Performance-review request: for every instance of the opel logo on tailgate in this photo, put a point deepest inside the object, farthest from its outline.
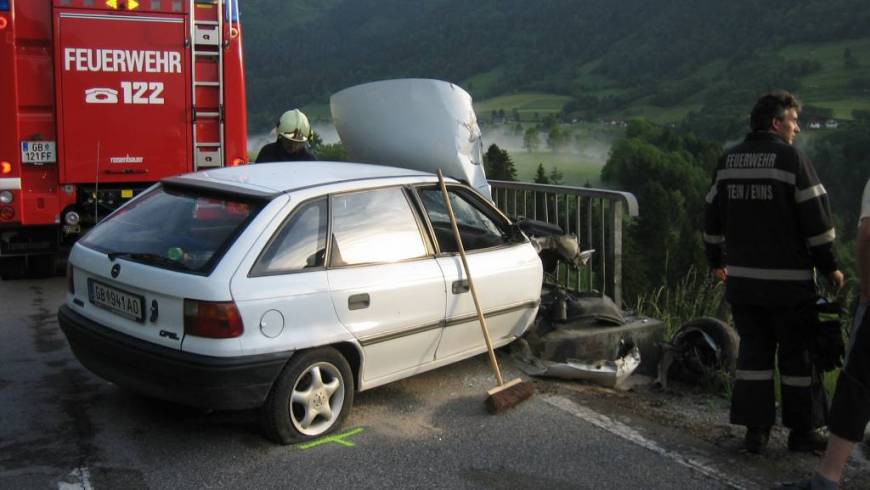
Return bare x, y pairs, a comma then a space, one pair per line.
116, 269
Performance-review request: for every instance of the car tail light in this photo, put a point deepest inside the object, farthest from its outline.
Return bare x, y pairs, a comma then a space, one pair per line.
212, 319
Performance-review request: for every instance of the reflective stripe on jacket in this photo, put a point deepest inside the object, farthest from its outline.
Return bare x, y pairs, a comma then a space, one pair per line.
768, 220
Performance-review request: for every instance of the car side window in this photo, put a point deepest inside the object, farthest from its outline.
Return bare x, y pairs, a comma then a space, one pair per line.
299, 244
374, 227
477, 228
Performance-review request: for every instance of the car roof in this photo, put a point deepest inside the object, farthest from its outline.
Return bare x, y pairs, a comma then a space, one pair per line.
275, 178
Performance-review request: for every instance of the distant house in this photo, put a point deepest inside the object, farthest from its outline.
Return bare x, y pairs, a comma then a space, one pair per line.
831, 124
815, 125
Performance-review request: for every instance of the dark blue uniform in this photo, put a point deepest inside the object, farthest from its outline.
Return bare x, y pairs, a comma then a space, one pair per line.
768, 221
275, 152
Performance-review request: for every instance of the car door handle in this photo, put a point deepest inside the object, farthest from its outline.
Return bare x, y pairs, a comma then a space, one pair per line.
358, 301
460, 286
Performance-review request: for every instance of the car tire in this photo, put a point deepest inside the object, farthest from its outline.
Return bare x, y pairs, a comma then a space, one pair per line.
725, 337
310, 398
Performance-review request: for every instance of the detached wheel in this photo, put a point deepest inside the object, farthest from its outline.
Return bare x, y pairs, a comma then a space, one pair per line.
705, 347
311, 397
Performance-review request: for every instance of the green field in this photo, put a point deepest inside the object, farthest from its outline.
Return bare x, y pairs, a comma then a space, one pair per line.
660, 115
842, 107
317, 112
483, 82
830, 55
575, 170
527, 104
829, 87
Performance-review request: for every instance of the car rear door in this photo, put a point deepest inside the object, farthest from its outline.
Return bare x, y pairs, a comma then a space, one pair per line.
506, 271
386, 287
282, 292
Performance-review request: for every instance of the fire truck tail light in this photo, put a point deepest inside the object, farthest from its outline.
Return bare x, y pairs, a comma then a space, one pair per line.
5, 168
6, 197
7, 213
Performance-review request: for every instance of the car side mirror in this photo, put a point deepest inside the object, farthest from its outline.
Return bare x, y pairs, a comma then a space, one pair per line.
515, 234
533, 227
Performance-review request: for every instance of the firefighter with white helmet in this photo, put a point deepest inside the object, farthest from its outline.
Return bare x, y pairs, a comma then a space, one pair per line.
291, 145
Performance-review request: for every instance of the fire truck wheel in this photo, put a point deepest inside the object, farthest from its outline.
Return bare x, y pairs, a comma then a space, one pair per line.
41, 266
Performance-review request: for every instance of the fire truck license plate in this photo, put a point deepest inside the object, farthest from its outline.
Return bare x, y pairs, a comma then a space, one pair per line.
38, 152
115, 300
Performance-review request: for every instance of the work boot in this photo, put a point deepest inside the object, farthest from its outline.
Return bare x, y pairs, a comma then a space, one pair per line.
807, 441
756, 439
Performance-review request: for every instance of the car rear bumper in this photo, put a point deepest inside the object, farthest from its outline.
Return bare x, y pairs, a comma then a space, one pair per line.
221, 383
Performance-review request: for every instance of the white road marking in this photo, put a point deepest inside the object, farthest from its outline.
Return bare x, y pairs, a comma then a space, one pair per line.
631, 435
80, 478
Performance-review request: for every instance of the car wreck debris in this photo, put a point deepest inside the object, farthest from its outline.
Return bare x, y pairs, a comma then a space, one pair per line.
703, 351
573, 336
607, 373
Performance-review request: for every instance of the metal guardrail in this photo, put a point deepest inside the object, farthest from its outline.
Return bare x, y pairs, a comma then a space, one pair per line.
593, 215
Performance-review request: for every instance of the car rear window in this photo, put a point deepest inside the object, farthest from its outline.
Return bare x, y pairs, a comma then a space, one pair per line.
177, 229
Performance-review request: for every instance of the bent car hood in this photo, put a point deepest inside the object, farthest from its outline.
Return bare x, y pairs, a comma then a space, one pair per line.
412, 123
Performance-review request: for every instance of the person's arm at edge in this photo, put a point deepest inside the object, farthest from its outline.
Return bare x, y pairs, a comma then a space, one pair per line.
815, 220
863, 257
714, 231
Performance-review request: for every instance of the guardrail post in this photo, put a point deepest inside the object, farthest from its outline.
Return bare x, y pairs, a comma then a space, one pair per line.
616, 208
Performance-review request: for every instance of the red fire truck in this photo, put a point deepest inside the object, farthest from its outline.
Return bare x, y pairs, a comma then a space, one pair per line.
102, 98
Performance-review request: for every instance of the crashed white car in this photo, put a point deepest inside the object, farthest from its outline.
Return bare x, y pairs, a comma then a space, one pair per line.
290, 286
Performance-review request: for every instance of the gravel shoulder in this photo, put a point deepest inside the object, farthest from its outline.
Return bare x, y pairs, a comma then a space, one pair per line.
694, 422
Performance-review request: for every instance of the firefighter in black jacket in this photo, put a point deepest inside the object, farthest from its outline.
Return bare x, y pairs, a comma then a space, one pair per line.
768, 226
291, 146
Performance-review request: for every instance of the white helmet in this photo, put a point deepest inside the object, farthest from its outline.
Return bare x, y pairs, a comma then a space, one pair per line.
294, 126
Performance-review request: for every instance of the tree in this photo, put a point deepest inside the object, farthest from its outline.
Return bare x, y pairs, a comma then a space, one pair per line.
498, 164
849, 60
530, 139
541, 175
861, 116
556, 138
334, 152
314, 140
669, 172
556, 176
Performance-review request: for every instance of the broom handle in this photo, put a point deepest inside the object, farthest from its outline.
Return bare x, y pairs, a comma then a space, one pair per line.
480, 317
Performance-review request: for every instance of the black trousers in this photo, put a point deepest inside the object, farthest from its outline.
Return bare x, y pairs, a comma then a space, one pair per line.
781, 336
850, 410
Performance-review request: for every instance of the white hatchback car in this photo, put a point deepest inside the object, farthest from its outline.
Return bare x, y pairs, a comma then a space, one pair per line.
289, 286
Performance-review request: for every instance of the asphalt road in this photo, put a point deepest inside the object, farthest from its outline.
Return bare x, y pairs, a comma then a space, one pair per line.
61, 428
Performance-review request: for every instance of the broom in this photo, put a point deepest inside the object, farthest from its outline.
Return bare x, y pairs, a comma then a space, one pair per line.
505, 395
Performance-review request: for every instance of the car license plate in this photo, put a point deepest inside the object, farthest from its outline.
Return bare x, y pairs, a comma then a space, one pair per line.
38, 152
117, 301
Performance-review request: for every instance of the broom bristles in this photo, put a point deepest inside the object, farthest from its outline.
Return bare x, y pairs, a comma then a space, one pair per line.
508, 395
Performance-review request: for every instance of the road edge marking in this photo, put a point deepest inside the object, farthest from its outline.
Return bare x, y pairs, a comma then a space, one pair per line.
625, 432
81, 477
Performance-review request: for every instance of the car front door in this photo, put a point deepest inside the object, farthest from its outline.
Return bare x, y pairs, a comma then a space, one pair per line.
386, 286
506, 272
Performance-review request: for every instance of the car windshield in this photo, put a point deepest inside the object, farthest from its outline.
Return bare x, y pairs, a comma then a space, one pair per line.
174, 229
